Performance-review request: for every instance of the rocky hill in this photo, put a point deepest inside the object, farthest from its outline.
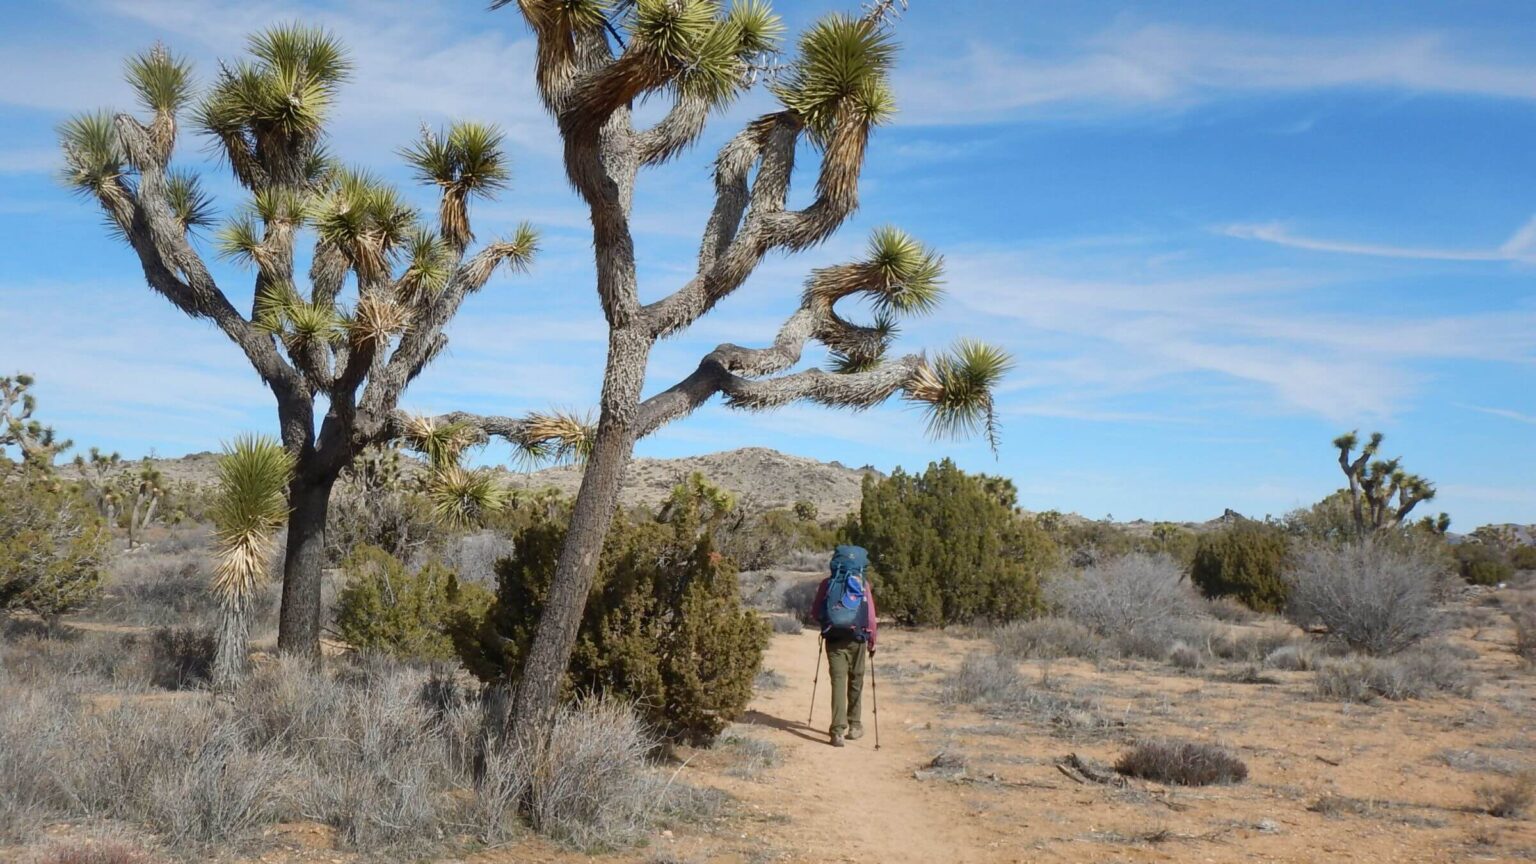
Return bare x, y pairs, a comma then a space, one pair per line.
760, 478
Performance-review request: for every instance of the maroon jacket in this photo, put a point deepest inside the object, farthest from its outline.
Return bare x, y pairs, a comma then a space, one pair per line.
820, 603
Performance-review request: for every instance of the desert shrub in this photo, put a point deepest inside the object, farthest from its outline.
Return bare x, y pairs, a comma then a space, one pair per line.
1229, 611
473, 557
1413, 674
1134, 594
664, 626
1047, 638
1331, 520
1524, 617
751, 756
376, 504
1244, 561
1510, 799
181, 657
805, 511
800, 597
787, 624
947, 547
1184, 763
1184, 656
993, 684
1523, 557
53, 548
1483, 563
758, 540
1248, 645
161, 587
386, 608
1291, 658
1375, 596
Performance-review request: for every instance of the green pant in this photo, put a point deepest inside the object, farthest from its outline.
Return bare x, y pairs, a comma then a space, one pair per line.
845, 662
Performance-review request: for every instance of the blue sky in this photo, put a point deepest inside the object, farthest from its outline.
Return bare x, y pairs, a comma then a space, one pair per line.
1213, 235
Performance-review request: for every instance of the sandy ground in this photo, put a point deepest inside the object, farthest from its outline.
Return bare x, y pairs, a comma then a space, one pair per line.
1390, 762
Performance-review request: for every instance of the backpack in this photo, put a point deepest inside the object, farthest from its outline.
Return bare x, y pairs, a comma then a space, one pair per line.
846, 613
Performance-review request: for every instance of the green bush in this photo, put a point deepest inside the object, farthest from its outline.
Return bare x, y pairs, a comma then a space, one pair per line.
664, 625
1523, 558
1483, 564
53, 548
1246, 561
946, 547
386, 608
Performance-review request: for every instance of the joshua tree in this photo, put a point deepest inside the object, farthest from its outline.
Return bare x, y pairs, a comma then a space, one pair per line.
403, 280
250, 504
1381, 493
595, 59
35, 442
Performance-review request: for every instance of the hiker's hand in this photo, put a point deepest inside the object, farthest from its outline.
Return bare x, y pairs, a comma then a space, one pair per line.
871, 650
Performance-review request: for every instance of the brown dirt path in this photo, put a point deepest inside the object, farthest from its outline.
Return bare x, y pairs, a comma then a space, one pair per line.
856, 803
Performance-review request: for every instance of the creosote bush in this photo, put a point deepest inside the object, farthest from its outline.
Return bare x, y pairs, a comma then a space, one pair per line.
1246, 561
387, 608
1374, 595
664, 626
950, 548
1184, 763
53, 548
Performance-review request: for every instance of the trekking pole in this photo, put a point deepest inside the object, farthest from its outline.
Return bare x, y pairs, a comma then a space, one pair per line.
874, 694
814, 681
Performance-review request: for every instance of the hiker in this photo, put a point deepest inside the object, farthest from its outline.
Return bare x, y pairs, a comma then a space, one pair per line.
845, 609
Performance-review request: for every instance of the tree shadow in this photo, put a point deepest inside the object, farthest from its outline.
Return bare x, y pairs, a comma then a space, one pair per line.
800, 730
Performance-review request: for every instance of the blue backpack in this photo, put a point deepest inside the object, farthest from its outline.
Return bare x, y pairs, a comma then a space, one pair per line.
846, 613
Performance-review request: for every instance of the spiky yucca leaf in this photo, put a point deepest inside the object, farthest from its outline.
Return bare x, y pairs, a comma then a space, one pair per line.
700, 51
162, 82
517, 254
957, 390
311, 324
295, 48
365, 218
842, 66
755, 26
280, 205
377, 319
558, 436
909, 272
240, 240
250, 503
430, 265
462, 496
193, 206
441, 444
92, 155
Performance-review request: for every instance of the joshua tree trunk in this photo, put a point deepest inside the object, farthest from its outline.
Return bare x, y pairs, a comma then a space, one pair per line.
231, 659
537, 693
298, 628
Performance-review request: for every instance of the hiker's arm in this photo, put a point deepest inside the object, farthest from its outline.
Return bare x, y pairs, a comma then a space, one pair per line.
820, 602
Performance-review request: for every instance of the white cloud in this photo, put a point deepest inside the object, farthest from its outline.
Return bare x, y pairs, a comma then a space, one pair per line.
1098, 331
1521, 246
1161, 66
1506, 413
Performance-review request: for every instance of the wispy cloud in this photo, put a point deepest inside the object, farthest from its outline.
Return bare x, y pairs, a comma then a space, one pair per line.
1506, 413
1163, 66
1521, 246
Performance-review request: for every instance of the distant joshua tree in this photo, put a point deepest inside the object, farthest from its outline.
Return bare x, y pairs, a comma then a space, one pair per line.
1381, 493
382, 283
596, 59
35, 443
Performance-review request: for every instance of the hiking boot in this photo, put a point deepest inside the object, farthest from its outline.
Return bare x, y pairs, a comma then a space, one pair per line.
837, 740
855, 733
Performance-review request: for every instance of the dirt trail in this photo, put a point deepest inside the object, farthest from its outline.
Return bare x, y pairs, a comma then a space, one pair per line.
855, 803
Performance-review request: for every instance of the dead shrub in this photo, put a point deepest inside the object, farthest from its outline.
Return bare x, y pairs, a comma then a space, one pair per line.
1375, 596
1229, 610
1411, 675
1183, 763
162, 587
1292, 658
800, 597
181, 658
1047, 638
993, 684
753, 756
1132, 594
1186, 657
1511, 799
1523, 615
788, 624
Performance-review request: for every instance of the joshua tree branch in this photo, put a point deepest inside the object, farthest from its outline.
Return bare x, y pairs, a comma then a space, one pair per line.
675, 132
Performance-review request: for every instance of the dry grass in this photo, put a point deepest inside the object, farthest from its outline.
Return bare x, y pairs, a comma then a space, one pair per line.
1047, 638
1183, 763
992, 683
91, 852
789, 624
1523, 615
752, 757
1411, 675
1511, 799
